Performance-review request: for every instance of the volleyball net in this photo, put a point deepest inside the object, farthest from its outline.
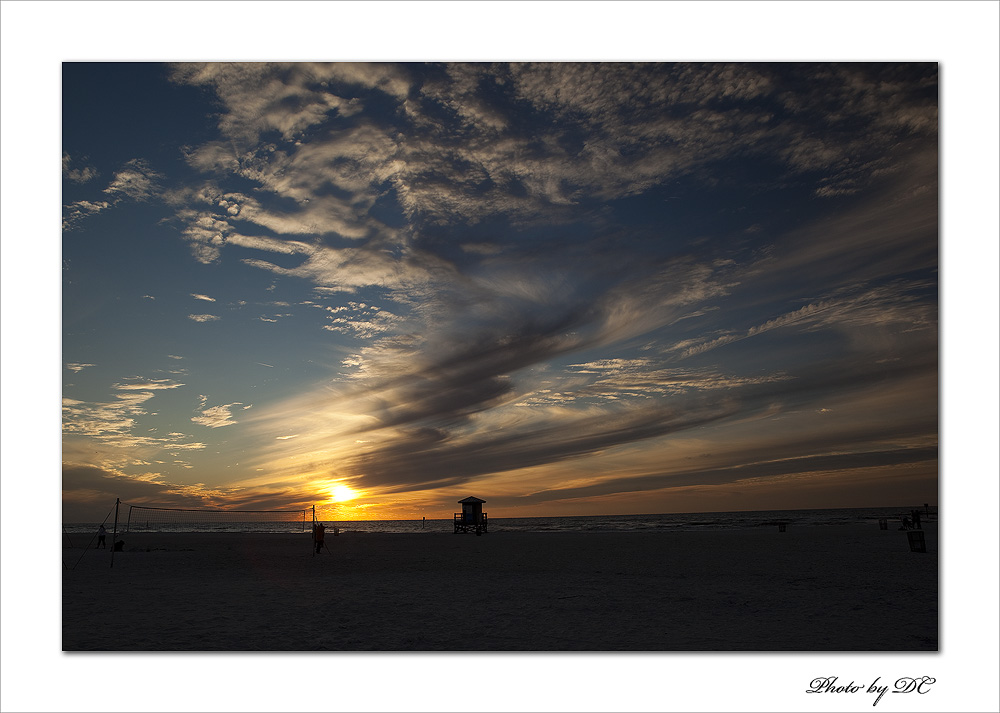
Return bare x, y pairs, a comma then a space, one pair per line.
143, 518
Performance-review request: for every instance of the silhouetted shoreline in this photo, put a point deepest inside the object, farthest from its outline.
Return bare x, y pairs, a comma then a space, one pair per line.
696, 521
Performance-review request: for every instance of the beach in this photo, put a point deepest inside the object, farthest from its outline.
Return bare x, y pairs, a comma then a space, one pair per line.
819, 588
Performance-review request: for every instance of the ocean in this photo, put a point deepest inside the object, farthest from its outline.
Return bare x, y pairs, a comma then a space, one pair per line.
593, 523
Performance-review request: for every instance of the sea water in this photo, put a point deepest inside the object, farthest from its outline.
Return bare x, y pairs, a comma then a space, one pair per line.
592, 523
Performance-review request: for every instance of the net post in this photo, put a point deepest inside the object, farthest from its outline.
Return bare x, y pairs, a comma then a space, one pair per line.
114, 536
312, 544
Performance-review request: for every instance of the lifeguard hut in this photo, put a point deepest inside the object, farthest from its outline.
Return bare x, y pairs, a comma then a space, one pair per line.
472, 518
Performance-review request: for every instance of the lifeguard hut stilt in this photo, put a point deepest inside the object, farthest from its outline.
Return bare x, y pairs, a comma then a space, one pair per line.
472, 518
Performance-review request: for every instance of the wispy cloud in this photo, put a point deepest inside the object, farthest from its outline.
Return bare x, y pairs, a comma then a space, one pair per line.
360, 320
140, 384
81, 209
77, 175
85, 487
289, 98
135, 181
215, 416
884, 307
112, 427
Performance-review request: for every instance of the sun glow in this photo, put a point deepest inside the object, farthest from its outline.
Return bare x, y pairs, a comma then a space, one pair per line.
342, 493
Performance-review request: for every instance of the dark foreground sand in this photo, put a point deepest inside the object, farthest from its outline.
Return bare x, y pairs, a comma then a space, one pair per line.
844, 588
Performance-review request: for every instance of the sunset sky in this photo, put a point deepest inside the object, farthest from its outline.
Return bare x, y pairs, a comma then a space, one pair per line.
590, 288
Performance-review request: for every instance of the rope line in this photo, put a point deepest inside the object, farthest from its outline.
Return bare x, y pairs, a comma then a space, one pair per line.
87, 548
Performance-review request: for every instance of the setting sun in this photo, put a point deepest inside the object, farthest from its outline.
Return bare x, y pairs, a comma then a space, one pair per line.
342, 493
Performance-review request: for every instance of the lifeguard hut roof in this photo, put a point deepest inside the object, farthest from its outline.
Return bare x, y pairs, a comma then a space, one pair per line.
471, 499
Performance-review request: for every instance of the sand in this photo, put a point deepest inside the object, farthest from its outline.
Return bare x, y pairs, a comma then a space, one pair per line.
836, 588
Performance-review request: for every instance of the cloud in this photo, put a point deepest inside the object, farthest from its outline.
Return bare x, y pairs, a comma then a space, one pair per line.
470, 348
89, 491
417, 457
81, 209
206, 298
826, 465
203, 317
287, 98
77, 175
360, 320
894, 309
429, 457
615, 130
213, 157
140, 384
135, 181
215, 416
107, 431
614, 379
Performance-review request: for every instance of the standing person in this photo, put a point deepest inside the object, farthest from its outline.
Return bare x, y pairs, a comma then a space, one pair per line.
101, 534
318, 536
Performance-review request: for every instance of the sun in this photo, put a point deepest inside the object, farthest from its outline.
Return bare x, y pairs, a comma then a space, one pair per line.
342, 493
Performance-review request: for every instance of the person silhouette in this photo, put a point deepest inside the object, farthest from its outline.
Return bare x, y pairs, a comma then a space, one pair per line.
318, 536
101, 534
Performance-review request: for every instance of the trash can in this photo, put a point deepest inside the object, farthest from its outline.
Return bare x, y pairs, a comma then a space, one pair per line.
916, 538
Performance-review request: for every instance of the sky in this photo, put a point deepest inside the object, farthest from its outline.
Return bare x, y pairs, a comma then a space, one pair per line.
571, 288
